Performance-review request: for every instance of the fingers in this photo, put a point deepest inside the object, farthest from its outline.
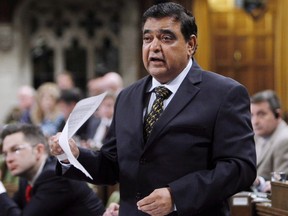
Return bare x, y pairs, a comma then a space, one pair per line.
150, 208
113, 206
267, 187
55, 148
112, 210
159, 202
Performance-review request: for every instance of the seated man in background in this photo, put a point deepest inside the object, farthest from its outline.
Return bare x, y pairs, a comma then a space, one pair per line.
271, 138
41, 192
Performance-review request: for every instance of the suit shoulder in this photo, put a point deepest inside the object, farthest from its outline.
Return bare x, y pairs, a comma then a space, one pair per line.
215, 84
137, 86
218, 78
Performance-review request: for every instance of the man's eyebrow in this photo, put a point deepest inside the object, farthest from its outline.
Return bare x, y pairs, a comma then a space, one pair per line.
166, 31
146, 31
161, 31
14, 146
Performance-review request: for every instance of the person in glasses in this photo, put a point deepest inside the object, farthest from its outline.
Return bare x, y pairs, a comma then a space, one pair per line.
40, 191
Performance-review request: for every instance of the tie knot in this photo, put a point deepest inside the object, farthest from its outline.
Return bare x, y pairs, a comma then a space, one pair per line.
162, 92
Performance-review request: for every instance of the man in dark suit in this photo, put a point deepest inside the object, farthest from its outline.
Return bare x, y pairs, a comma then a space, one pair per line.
40, 191
199, 152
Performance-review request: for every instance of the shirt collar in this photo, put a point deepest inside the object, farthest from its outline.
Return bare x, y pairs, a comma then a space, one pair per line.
38, 173
175, 83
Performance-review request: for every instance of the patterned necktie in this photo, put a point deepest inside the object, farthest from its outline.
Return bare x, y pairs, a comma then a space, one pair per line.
28, 192
162, 93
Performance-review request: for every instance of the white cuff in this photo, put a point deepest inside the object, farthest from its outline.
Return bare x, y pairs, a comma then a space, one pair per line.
62, 157
262, 184
2, 188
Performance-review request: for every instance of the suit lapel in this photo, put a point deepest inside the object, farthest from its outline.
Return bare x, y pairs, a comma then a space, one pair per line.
181, 99
139, 105
268, 144
263, 147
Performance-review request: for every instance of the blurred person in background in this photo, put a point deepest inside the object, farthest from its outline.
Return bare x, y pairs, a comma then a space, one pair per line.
67, 101
45, 112
100, 122
25, 100
65, 80
20, 113
271, 137
41, 192
111, 81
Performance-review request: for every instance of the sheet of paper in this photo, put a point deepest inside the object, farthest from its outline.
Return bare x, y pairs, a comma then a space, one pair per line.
80, 114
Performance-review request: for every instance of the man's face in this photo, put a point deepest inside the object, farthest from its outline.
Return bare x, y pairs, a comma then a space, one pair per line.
20, 156
165, 52
263, 119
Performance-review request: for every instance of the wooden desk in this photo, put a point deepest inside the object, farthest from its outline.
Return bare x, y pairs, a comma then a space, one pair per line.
241, 204
279, 195
279, 201
265, 209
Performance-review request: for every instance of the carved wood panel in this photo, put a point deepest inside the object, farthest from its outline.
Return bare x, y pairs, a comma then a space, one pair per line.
243, 48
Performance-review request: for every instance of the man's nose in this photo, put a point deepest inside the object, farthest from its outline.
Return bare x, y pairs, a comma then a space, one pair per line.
155, 45
254, 120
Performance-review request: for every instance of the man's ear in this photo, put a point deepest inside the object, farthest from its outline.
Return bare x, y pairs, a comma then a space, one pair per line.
277, 113
40, 149
192, 45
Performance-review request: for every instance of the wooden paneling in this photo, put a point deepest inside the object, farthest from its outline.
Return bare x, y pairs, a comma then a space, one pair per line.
243, 48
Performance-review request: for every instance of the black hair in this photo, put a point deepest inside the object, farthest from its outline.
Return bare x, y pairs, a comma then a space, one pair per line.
32, 134
178, 12
71, 95
268, 96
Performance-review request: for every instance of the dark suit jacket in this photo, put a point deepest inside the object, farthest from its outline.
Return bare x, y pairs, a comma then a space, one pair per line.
202, 146
52, 196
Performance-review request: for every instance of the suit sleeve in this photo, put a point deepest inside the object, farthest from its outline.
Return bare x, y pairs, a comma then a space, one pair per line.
281, 155
233, 158
46, 198
8, 206
101, 165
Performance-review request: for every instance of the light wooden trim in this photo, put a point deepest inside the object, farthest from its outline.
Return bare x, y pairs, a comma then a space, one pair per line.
281, 52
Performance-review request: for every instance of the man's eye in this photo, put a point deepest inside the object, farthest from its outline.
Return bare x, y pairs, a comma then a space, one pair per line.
146, 39
16, 149
261, 115
167, 38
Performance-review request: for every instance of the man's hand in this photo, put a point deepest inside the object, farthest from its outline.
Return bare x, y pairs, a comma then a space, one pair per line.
112, 210
158, 203
267, 188
56, 149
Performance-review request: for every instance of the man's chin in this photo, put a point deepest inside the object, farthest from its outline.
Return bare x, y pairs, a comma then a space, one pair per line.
157, 71
15, 172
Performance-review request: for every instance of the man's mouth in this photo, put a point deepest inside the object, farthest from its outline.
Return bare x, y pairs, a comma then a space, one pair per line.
155, 59
11, 168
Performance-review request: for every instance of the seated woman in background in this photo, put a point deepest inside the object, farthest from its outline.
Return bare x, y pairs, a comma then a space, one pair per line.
45, 112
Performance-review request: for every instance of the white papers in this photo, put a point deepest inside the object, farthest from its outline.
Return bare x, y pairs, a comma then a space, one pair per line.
80, 114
